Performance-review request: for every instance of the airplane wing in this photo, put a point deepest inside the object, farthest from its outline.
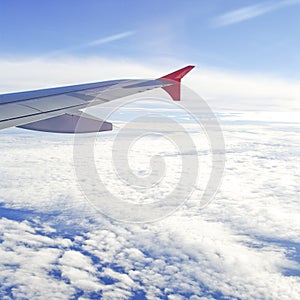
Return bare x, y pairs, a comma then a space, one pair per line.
58, 109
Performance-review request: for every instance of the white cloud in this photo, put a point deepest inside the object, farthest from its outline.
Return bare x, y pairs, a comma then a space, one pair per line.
242, 245
101, 41
25, 264
111, 38
251, 11
236, 245
221, 89
238, 91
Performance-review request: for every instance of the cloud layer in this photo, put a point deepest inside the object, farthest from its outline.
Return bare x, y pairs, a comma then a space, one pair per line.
245, 244
220, 88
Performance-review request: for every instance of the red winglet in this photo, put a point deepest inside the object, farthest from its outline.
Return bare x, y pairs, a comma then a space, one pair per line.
175, 78
179, 74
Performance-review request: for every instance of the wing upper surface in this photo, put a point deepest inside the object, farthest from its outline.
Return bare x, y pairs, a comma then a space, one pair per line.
25, 107
18, 109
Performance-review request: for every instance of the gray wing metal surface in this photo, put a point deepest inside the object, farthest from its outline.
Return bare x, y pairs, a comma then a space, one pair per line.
58, 109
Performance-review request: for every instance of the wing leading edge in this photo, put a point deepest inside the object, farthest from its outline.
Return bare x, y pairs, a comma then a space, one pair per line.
58, 109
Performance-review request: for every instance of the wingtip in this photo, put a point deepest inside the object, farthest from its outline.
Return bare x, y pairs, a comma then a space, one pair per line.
178, 74
175, 79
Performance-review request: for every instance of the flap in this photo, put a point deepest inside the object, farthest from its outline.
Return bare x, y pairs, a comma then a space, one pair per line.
67, 123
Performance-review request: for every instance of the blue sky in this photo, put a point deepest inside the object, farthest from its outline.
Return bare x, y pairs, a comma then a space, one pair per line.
249, 36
